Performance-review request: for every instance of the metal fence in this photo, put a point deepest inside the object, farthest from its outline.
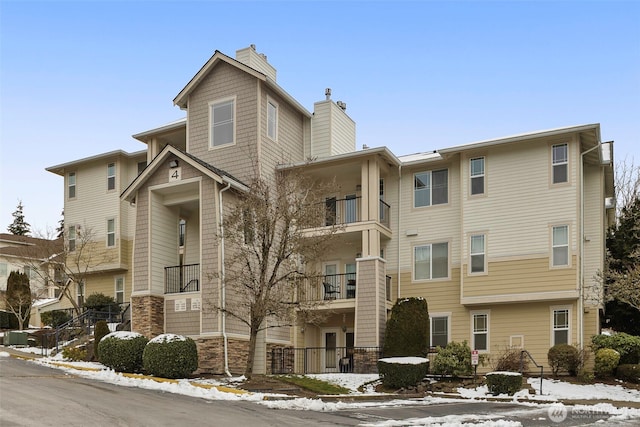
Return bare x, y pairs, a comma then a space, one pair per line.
182, 278
320, 360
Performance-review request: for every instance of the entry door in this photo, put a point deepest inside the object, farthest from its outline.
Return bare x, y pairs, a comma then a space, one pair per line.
331, 354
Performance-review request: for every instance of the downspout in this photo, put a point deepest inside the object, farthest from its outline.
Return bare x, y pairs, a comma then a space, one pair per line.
399, 216
222, 280
581, 272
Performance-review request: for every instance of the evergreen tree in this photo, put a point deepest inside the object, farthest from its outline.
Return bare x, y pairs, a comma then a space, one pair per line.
407, 332
60, 229
19, 226
18, 297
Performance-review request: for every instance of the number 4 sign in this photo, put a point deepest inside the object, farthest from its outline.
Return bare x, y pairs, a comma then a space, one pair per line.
175, 174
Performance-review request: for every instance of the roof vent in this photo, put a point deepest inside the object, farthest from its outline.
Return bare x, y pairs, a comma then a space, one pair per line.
327, 93
342, 105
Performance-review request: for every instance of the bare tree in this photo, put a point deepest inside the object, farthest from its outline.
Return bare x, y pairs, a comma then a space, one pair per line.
272, 254
627, 184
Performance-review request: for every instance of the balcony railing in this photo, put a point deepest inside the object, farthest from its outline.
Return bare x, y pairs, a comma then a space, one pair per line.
349, 210
182, 278
329, 287
318, 360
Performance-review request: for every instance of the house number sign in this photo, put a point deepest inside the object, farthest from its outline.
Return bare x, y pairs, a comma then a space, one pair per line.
175, 174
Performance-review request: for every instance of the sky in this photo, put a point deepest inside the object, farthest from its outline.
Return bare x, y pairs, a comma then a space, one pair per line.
545, 405
79, 78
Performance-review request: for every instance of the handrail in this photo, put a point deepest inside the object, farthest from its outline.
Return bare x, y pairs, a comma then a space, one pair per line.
522, 353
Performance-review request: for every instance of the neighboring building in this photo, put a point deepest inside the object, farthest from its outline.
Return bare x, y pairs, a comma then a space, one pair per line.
503, 238
98, 226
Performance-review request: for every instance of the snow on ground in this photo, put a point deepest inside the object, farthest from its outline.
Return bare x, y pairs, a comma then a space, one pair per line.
359, 384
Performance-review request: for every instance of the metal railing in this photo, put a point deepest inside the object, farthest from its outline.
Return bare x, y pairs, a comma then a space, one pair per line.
329, 287
349, 210
182, 278
320, 360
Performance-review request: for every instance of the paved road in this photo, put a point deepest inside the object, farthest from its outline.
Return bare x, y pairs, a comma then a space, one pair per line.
34, 395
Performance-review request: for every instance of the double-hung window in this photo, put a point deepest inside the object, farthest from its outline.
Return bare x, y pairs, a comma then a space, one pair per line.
439, 331
72, 238
71, 185
431, 188
111, 176
480, 328
560, 163
111, 232
119, 291
560, 326
222, 123
476, 174
477, 253
272, 120
431, 261
560, 246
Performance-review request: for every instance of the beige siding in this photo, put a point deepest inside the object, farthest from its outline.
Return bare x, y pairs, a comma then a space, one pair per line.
321, 130
594, 241
185, 322
163, 242
332, 130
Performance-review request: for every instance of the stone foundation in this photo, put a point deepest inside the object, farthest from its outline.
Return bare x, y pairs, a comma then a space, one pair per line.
147, 315
365, 361
211, 355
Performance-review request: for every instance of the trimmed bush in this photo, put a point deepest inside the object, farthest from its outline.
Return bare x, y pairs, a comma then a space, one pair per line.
122, 351
627, 345
454, 359
74, 353
55, 318
170, 356
605, 362
629, 372
398, 372
564, 357
100, 331
407, 330
102, 302
503, 382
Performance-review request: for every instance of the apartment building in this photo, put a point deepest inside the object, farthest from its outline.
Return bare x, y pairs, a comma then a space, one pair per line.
503, 238
98, 226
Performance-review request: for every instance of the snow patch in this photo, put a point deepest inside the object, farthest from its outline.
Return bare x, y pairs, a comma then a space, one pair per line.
405, 360
123, 335
167, 338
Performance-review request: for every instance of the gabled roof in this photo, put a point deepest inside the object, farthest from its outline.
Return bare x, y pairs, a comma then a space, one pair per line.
29, 247
207, 169
218, 57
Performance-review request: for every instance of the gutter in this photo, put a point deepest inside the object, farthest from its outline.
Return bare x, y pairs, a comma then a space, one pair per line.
222, 278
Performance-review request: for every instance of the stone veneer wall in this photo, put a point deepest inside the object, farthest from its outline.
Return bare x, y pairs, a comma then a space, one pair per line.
147, 315
211, 355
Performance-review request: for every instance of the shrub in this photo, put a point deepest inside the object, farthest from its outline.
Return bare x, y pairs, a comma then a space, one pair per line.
585, 376
627, 345
170, 356
102, 302
509, 360
454, 359
402, 371
74, 353
407, 330
504, 382
100, 331
122, 351
55, 318
605, 362
564, 357
629, 372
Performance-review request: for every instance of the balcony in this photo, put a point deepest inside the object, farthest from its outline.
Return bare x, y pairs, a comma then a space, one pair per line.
182, 278
348, 211
334, 287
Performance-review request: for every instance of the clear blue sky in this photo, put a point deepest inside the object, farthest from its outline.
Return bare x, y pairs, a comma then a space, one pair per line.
79, 78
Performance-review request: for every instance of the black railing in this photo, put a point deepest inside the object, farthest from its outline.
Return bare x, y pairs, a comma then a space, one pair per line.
320, 360
182, 278
349, 210
388, 288
385, 214
329, 287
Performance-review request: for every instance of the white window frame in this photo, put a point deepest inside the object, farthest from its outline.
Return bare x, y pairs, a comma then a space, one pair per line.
430, 245
559, 163
272, 119
72, 176
111, 234
439, 316
558, 246
476, 254
117, 291
71, 238
554, 328
429, 188
473, 176
111, 176
212, 106
475, 332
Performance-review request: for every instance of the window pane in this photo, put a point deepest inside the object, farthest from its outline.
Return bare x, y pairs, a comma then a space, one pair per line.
222, 123
440, 260
222, 134
271, 120
477, 263
422, 184
479, 323
560, 235
561, 337
440, 190
477, 244
559, 153
561, 256
439, 331
477, 185
561, 318
480, 341
560, 173
422, 256
477, 166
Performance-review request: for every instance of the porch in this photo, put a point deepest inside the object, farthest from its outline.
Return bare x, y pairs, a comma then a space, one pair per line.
334, 287
349, 210
321, 360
